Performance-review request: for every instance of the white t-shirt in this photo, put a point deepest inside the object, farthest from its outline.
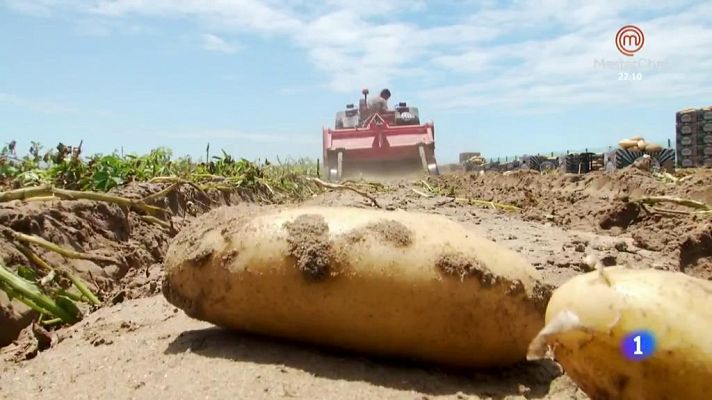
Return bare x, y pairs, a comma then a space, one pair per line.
377, 104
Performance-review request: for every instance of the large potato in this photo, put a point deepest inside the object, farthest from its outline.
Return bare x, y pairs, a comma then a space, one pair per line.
652, 147
388, 283
628, 143
641, 145
588, 319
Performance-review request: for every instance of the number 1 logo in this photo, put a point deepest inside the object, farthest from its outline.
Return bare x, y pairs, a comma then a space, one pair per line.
638, 351
638, 345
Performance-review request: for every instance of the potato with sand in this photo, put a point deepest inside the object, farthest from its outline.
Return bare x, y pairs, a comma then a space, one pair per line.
388, 283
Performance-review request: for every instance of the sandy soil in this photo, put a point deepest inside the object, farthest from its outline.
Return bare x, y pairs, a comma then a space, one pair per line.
142, 347
146, 349
602, 203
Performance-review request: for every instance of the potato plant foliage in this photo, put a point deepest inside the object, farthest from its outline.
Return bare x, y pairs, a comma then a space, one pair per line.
67, 167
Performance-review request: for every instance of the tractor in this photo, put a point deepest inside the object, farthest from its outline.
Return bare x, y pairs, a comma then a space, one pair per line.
364, 142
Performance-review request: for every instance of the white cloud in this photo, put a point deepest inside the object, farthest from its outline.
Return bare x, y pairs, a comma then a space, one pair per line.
532, 53
354, 52
39, 8
216, 43
558, 70
252, 15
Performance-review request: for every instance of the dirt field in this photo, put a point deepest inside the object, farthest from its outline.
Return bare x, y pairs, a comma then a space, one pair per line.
139, 346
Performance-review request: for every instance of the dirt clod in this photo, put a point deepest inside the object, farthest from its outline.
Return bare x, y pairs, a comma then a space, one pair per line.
541, 295
622, 215
621, 246
44, 338
696, 253
119, 297
459, 265
393, 232
310, 245
199, 258
515, 288
609, 260
14, 316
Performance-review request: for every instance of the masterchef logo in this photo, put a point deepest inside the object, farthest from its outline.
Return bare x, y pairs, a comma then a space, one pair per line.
629, 40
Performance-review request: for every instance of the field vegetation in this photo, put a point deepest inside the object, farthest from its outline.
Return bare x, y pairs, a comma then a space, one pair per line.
66, 173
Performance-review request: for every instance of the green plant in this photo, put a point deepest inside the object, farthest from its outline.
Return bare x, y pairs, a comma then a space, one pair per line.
43, 295
65, 167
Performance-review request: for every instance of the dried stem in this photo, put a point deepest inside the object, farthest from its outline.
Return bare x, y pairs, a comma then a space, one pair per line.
176, 183
336, 186
418, 192
34, 258
161, 193
45, 267
698, 205
492, 204
69, 253
430, 189
49, 192
157, 221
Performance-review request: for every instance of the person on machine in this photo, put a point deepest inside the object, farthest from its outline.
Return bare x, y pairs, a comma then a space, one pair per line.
376, 104
379, 103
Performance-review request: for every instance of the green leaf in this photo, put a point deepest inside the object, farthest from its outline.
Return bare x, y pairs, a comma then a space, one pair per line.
27, 273
67, 305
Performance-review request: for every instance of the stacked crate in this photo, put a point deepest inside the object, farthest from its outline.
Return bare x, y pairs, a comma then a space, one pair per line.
694, 137
582, 163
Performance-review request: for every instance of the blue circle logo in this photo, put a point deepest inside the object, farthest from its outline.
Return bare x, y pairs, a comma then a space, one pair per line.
638, 345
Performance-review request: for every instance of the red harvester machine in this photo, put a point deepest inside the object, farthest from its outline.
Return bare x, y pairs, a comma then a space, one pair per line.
363, 142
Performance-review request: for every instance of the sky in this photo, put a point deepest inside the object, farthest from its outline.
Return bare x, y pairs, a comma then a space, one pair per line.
261, 78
